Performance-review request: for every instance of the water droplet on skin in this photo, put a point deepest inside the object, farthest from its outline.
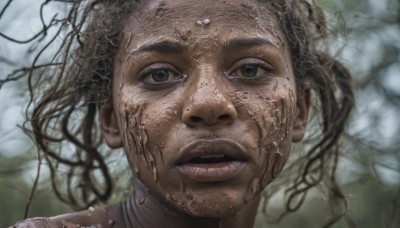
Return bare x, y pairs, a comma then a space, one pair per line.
199, 23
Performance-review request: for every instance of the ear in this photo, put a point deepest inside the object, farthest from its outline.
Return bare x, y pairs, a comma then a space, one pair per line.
109, 125
302, 108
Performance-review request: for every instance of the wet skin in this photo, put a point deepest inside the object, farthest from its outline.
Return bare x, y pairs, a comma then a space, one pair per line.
205, 105
181, 86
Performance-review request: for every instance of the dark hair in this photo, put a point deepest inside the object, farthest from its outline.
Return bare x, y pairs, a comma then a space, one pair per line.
78, 79
303, 23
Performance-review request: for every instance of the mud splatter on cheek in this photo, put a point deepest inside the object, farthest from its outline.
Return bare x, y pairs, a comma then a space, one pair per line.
272, 115
279, 148
136, 140
274, 127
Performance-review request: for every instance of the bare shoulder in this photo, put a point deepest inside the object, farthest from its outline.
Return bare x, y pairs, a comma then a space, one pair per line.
44, 222
108, 216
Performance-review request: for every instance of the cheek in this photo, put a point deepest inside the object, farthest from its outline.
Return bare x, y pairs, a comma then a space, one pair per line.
145, 127
135, 137
276, 142
273, 115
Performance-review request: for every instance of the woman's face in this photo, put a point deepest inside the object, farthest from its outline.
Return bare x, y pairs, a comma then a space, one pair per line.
204, 102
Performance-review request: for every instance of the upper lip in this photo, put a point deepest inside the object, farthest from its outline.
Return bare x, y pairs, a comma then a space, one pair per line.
204, 147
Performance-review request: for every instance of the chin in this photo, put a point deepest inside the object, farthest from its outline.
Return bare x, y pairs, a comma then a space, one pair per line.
217, 205
213, 210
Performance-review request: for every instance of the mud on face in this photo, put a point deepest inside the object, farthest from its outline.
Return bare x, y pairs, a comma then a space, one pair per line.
206, 110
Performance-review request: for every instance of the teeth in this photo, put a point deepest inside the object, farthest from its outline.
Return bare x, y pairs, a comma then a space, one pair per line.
213, 156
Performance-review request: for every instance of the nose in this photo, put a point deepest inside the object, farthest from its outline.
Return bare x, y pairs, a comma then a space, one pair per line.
208, 106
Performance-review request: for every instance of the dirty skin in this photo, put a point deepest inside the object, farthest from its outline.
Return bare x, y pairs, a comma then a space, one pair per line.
271, 147
220, 78
136, 140
258, 117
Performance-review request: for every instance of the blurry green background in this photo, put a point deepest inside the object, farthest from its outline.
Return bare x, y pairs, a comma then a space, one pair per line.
365, 35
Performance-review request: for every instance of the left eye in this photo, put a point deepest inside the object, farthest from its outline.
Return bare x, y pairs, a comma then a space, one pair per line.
159, 75
250, 71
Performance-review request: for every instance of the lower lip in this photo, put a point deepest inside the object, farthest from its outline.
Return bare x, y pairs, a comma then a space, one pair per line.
222, 171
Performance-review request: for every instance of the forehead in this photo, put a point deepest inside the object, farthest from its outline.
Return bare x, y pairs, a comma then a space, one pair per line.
191, 20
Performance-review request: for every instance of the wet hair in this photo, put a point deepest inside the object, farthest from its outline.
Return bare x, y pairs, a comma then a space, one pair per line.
303, 23
68, 90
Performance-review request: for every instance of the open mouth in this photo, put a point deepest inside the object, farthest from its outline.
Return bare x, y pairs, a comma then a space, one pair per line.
212, 160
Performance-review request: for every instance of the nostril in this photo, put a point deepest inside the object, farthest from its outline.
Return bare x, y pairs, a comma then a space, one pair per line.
224, 117
196, 119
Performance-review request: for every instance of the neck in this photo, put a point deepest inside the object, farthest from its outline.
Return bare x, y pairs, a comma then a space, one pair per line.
144, 209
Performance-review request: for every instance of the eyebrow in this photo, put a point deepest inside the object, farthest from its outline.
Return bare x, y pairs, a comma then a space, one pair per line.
161, 46
166, 46
237, 44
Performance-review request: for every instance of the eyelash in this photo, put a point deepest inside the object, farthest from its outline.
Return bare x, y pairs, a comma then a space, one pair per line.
251, 62
148, 71
147, 77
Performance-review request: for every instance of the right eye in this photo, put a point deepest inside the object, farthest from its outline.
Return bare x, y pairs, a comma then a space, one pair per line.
159, 75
